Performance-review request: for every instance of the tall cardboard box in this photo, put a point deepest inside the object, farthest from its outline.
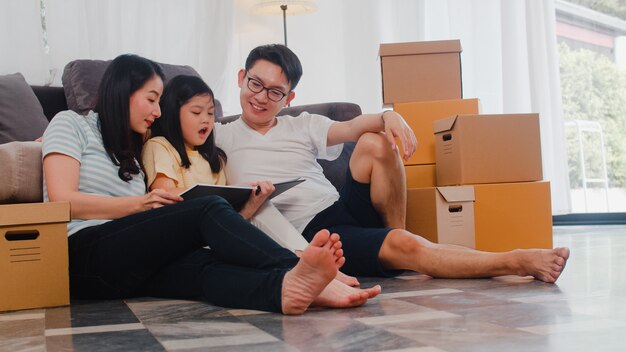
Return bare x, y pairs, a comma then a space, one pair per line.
513, 215
420, 71
33, 255
421, 115
420, 176
473, 149
442, 214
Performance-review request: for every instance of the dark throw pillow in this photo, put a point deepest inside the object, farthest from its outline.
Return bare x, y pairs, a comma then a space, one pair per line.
21, 114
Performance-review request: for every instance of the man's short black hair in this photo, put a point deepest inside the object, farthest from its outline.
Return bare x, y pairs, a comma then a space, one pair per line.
280, 55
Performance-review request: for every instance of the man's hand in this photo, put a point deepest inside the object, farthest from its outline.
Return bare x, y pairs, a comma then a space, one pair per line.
257, 198
394, 126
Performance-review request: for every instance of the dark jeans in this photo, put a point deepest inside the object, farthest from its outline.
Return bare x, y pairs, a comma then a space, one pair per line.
160, 253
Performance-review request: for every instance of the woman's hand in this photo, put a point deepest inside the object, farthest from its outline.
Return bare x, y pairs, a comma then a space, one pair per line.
158, 198
257, 198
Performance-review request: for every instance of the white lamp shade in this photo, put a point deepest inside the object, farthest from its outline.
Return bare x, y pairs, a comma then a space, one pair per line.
294, 7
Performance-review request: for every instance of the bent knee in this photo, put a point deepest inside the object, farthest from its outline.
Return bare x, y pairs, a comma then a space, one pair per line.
374, 145
402, 241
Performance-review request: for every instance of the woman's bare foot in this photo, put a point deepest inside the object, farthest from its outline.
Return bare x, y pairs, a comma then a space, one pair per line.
544, 264
317, 267
339, 295
347, 279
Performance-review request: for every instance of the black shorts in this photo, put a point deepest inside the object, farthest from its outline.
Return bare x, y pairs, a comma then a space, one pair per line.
360, 226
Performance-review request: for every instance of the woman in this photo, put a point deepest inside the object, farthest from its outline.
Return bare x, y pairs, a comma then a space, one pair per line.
124, 242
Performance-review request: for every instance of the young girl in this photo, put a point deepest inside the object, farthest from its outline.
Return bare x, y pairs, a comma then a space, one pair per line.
123, 242
182, 153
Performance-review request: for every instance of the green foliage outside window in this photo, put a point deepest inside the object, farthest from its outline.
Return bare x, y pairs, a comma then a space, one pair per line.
594, 89
616, 8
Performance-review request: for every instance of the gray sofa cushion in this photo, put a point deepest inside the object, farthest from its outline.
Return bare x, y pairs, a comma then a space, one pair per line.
81, 79
21, 114
21, 172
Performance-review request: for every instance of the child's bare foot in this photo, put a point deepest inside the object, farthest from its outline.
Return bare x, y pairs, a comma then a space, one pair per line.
544, 264
347, 279
339, 295
317, 267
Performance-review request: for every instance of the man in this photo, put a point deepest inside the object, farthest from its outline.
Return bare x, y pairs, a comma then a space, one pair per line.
369, 214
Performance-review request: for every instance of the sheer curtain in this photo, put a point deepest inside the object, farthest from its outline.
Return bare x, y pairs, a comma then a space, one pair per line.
508, 61
190, 32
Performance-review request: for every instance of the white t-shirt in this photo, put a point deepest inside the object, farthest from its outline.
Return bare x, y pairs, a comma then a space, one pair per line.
289, 150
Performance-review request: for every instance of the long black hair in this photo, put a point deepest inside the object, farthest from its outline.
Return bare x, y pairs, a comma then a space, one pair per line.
177, 93
124, 76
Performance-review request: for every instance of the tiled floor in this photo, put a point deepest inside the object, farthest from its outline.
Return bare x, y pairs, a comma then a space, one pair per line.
584, 311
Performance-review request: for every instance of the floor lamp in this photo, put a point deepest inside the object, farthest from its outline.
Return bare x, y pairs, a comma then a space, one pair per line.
284, 8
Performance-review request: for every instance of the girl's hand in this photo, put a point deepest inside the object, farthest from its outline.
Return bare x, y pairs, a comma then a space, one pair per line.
257, 198
158, 198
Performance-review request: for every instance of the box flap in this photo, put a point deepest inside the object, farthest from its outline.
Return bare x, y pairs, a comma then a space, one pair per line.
416, 48
34, 213
457, 193
445, 124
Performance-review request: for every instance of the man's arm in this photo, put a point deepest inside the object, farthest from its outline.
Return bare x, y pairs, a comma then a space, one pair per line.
389, 122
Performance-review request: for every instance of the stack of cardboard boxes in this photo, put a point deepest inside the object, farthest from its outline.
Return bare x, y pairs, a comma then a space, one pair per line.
475, 180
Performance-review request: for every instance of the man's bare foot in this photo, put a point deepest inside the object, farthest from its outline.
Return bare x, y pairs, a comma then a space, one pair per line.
317, 267
339, 295
347, 279
544, 264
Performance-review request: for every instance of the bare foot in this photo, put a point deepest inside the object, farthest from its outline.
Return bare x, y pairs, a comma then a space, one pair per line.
339, 295
347, 279
316, 268
544, 264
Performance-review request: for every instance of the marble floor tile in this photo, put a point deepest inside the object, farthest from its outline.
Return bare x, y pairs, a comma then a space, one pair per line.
94, 329
170, 311
90, 313
23, 344
21, 328
134, 340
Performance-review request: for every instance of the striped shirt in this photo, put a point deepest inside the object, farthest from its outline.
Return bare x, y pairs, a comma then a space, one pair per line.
79, 137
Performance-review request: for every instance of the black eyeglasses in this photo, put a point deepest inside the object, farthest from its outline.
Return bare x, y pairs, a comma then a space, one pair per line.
273, 94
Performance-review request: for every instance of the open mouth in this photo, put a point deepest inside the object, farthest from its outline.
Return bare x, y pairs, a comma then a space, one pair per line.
204, 132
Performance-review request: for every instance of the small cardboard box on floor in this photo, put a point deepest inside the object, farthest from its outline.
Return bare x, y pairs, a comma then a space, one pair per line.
420, 116
472, 149
442, 214
421, 71
33, 255
499, 217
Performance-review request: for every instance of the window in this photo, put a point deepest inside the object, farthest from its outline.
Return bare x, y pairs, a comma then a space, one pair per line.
591, 37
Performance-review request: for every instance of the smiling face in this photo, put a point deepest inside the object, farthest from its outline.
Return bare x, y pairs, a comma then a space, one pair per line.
258, 111
197, 118
144, 105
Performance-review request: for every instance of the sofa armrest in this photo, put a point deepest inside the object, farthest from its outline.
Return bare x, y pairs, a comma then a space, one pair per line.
21, 172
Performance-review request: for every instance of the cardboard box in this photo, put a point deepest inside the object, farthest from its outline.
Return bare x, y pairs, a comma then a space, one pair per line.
472, 149
513, 215
421, 115
420, 71
420, 176
442, 214
33, 255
